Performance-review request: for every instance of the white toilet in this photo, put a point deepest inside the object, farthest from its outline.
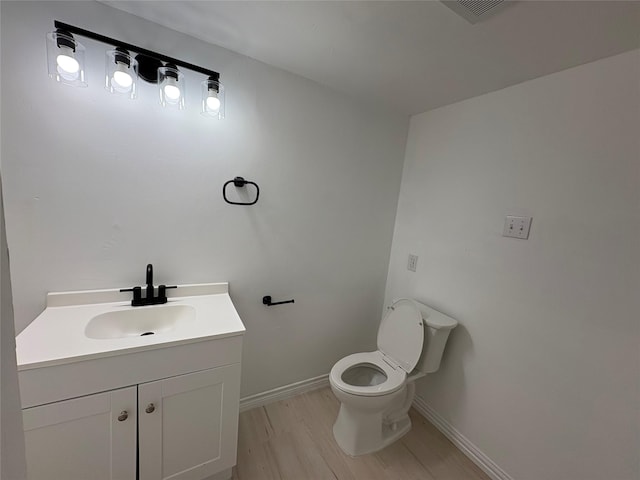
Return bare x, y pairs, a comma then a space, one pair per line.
376, 389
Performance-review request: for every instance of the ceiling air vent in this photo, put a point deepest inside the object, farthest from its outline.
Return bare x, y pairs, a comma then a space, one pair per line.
475, 10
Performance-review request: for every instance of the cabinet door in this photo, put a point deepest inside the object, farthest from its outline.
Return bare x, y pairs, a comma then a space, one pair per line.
188, 425
83, 438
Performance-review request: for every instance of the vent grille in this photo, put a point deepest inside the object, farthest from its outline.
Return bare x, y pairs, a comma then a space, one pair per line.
476, 10
480, 7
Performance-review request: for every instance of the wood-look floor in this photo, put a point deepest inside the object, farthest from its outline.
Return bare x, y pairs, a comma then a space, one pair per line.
293, 440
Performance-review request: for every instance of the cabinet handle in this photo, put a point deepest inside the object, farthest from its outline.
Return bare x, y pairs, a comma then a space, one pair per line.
150, 408
123, 416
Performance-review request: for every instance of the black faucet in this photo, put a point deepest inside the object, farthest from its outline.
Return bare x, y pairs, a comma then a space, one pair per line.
150, 298
149, 281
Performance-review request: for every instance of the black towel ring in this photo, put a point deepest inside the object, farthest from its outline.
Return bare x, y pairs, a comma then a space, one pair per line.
240, 182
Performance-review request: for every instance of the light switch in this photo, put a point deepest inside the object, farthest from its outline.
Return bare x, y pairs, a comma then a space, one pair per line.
517, 227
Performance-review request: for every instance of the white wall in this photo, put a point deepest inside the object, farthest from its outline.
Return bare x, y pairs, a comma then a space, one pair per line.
542, 373
97, 187
12, 459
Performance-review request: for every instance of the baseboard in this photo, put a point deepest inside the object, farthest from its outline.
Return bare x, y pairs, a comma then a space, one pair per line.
284, 392
487, 465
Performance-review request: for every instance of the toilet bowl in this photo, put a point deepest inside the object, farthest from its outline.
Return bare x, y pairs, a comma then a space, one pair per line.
376, 389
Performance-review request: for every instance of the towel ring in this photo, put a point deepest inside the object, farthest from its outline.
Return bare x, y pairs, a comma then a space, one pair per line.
240, 182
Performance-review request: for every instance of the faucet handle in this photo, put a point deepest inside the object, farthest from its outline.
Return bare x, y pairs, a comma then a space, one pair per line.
137, 293
162, 290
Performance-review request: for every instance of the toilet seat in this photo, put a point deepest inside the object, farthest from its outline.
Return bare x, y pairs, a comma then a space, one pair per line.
395, 375
401, 334
400, 340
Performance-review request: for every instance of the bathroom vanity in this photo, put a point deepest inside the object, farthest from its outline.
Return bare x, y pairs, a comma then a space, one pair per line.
115, 392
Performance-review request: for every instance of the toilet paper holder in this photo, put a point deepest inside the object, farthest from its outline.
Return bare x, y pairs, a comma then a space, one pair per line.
266, 300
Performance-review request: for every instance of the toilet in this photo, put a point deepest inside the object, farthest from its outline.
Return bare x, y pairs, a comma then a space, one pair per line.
376, 389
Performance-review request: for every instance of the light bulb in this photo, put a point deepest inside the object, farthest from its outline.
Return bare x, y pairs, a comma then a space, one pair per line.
172, 92
213, 102
66, 62
121, 77
212, 99
120, 73
65, 59
172, 86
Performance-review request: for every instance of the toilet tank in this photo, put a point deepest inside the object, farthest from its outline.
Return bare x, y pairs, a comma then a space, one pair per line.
437, 327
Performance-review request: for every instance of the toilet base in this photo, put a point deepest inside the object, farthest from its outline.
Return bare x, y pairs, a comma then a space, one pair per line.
359, 433
398, 429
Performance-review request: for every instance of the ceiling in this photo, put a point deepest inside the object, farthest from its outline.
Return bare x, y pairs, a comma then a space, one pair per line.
406, 56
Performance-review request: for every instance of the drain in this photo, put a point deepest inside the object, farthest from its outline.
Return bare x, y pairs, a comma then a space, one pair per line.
146, 333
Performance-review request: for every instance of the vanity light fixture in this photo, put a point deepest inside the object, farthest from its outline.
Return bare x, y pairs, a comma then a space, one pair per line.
213, 97
121, 72
124, 64
171, 82
65, 58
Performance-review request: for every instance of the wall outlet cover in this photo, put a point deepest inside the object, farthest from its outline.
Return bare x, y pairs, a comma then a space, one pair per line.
412, 263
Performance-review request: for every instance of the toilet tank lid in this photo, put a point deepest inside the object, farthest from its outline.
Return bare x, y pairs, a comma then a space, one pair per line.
435, 319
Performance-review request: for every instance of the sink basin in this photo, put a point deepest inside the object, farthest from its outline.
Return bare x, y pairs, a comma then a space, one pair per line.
139, 321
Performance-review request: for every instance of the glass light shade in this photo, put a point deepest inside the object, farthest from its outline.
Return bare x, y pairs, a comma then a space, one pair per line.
212, 99
171, 87
65, 59
121, 75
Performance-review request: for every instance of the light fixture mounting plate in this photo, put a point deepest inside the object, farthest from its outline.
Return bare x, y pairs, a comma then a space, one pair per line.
148, 68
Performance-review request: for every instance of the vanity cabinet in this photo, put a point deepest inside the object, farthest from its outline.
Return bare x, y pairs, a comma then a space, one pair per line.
188, 425
121, 404
82, 439
183, 427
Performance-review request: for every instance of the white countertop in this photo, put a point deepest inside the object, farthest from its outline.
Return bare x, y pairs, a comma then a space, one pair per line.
57, 335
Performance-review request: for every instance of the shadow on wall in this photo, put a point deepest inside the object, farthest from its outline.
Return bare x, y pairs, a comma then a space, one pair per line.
12, 456
448, 385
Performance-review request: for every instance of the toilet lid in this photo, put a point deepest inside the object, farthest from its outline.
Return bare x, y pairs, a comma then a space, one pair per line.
401, 334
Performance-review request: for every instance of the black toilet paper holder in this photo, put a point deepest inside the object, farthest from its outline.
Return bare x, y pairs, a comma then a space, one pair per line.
266, 300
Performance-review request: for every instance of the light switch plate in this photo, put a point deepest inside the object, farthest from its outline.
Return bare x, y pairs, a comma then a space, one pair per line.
517, 227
